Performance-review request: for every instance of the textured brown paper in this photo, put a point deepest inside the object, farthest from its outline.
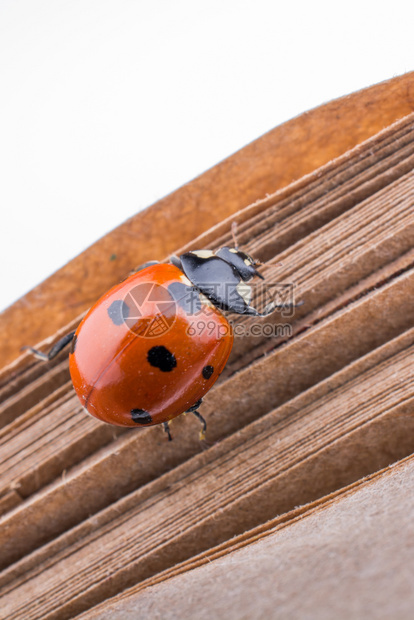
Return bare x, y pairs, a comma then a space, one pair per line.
350, 559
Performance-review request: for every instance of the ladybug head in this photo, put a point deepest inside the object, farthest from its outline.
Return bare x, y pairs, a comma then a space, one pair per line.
221, 277
242, 262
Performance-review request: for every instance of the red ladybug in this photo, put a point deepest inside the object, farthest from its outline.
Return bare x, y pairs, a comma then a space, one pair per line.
153, 345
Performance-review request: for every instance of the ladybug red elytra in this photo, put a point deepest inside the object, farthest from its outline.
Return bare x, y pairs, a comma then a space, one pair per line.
153, 345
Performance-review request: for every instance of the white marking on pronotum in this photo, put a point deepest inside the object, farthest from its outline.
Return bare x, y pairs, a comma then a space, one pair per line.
203, 253
185, 280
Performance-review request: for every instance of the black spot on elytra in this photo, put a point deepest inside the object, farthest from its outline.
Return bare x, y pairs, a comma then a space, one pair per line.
73, 344
140, 416
207, 371
187, 297
162, 358
118, 311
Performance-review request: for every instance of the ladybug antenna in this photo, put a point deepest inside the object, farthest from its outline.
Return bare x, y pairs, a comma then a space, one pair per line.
234, 234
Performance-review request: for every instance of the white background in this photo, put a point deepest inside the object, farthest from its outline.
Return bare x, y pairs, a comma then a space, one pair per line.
108, 105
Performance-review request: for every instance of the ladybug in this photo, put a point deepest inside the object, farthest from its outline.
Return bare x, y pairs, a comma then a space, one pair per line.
153, 345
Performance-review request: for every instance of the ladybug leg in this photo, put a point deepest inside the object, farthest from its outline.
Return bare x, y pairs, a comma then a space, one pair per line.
270, 308
174, 260
203, 422
166, 427
149, 263
57, 348
198, 415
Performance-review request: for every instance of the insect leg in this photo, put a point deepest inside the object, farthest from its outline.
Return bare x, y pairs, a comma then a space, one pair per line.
167, 430
149, 263
198, 415
174, 260
57, 348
